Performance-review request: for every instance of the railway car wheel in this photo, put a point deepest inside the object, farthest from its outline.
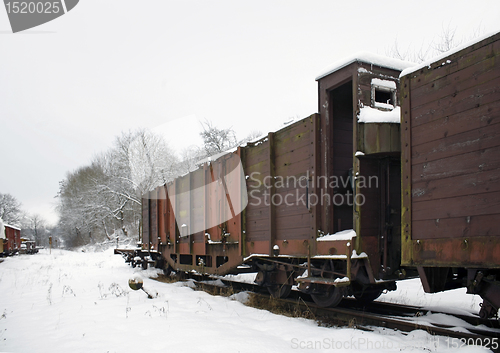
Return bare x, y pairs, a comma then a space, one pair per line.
368, 295
279, 290
330, 296
167, 270
326, 295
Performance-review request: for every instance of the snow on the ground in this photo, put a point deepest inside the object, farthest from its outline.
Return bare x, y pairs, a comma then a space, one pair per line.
456, 301
81, 302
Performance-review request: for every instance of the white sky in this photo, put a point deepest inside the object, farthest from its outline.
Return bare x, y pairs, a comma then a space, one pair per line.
68, 87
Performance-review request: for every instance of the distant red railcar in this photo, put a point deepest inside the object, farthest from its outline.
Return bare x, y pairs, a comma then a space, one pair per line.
12, 241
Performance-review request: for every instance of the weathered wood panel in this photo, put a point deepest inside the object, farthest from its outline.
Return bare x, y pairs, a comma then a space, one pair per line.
469, 163
460, 206
467, 142
456, 124
477, 226
485, 49
469, 99
451, 158
461, 185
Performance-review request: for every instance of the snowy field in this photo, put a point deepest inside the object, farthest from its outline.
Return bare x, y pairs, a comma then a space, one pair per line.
81, 302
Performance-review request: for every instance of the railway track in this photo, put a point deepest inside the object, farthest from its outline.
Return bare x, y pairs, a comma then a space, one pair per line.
465, 329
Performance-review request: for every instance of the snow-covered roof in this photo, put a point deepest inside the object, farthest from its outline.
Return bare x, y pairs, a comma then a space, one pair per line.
10, 226
445, 54
369, 58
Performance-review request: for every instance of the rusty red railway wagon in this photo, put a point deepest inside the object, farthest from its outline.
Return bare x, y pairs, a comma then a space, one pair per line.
315, 204
451, 172
364, 193
12, 241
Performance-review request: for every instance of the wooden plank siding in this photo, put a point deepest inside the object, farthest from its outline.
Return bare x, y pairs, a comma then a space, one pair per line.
451, 158
274, 166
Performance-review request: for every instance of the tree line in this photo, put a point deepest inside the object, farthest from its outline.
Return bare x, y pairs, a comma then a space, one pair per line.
33, 226
102, 201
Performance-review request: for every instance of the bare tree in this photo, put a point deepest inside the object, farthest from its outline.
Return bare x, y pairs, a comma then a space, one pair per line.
217, 140
446, 41
152, 162
34, 226
10, 209
252, 136
102, 201
189, 158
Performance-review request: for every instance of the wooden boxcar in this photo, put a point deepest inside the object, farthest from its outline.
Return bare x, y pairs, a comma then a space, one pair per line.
451, 171
319, 199
12, 241
347, 201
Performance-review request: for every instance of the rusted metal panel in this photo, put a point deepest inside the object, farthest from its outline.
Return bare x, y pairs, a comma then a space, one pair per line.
451, 160
482, 252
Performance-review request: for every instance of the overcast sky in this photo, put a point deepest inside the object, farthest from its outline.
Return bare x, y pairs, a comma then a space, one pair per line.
68, 87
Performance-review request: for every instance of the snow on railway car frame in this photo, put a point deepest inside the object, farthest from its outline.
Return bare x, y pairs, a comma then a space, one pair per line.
328, 196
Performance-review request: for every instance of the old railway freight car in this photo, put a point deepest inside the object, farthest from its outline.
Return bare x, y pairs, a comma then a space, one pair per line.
11, 240
305, 188
347, 201
451, 171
